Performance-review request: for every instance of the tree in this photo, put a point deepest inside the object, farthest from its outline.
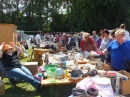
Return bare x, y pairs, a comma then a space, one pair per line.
81, 15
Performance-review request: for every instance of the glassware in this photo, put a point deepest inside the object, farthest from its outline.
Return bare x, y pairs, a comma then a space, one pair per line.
81, 56
59, 73
51, 74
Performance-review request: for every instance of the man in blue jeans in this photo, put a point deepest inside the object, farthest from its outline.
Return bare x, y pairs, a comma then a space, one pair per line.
14, 69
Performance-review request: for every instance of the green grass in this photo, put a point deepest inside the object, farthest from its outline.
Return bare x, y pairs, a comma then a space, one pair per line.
24, 89
25, 59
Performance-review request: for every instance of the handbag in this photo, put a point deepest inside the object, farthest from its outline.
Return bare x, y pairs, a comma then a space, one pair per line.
126, 60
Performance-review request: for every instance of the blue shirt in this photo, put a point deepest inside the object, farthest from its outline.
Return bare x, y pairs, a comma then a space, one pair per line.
117, 57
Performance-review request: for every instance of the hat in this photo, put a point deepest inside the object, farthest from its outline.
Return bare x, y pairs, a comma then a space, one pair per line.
101, 80
92, 92
5, 47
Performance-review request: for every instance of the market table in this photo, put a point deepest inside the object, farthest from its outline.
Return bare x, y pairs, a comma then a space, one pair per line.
67, 81
64, 81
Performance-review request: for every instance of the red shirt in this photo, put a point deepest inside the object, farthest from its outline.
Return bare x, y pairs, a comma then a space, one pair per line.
82, 43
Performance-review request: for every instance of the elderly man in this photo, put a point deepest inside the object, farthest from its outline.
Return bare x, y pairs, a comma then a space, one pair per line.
127, 34
94, 37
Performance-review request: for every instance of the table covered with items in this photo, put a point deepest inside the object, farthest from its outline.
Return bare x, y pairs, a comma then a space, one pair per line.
89, 74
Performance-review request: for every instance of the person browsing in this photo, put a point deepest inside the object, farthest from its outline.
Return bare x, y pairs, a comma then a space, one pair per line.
38, 39
119, 48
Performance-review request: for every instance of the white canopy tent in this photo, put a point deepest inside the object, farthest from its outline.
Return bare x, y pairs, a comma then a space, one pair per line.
23, 35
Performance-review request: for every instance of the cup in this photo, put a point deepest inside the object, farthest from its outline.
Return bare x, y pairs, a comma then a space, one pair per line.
101, 73
86, 67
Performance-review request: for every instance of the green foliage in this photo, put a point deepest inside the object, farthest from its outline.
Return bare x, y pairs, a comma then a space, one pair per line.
59, 23
81, 15
95, 15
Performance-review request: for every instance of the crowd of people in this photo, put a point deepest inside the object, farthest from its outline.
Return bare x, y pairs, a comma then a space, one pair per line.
117, 42
102, 43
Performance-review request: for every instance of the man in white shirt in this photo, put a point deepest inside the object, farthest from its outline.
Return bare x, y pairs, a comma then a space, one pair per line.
38, 39
127, 34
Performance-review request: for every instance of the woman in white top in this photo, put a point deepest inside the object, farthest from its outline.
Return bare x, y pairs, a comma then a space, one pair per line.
77, 42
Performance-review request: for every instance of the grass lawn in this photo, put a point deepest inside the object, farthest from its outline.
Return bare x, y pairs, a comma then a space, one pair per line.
24, 89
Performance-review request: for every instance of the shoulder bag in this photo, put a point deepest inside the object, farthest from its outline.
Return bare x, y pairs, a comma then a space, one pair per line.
127, 62
108, 56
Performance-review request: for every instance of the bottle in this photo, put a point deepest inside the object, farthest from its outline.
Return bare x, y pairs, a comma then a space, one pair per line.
66, 73
46, 60
76, 62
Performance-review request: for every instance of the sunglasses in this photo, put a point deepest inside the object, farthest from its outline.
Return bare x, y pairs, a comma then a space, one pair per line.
86, 37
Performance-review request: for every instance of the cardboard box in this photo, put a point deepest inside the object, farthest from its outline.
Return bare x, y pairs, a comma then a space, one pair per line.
103, 66
32, 66
106, 67
2, 88
125, 84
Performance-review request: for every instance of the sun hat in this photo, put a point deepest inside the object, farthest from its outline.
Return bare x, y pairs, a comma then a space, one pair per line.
5, 47
101, 80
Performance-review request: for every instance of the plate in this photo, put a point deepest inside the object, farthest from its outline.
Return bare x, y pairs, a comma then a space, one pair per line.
101, 80
75, 78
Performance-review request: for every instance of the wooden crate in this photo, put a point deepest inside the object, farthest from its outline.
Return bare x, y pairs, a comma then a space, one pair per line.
8, 33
